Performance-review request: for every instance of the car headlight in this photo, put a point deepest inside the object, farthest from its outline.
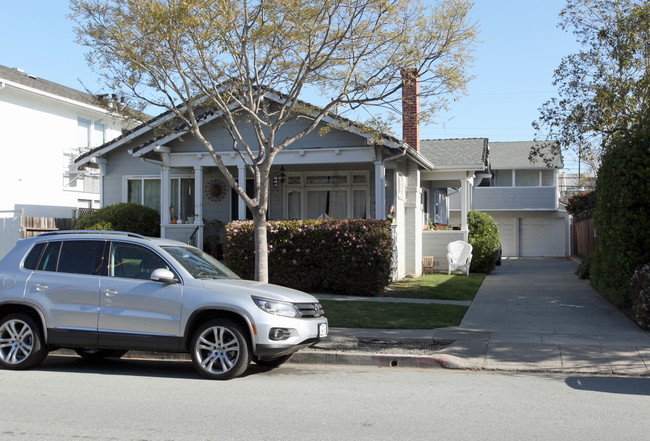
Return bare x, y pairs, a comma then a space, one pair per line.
274, 307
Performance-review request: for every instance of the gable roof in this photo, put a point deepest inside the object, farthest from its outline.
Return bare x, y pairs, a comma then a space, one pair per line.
507, 155
469, 153
208, 115
23, 80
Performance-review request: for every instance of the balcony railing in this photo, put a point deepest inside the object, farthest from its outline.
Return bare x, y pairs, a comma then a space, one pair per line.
510, 198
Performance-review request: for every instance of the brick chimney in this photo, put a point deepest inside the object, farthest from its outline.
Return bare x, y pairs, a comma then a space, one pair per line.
411, 107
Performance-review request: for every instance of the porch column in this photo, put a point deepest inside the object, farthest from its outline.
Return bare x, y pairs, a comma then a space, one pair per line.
380, 190
198, 204
464, 203
413, 222
241, 180
165, 195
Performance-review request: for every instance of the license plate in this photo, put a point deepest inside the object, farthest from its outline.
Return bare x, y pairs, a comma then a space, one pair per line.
322, 330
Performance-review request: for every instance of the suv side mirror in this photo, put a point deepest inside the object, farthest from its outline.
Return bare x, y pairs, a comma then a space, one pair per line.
163, 275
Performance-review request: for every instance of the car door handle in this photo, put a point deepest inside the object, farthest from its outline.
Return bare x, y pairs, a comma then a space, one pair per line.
40, 287
110, 292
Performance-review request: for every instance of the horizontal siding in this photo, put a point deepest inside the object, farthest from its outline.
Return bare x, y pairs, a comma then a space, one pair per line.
434, 243
510, 198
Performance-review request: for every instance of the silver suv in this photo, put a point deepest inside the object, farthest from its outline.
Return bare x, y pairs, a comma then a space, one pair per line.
104, 293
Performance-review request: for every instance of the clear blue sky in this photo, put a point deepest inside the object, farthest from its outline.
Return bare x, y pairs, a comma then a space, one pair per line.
521, 47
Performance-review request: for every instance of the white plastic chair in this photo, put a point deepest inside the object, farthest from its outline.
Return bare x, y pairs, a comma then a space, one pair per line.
459, 256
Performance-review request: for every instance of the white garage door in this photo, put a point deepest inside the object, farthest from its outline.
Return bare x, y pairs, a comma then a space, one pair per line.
540, 237
507, 235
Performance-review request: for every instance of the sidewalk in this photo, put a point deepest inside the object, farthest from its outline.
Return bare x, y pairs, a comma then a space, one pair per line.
530, 315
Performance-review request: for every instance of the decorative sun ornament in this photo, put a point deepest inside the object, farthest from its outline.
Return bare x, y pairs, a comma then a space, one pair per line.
215, 190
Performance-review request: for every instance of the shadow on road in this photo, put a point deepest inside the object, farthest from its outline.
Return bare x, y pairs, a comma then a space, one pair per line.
131, 367
612, 385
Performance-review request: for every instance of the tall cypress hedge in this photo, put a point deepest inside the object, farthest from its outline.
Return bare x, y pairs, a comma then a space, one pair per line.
622, 216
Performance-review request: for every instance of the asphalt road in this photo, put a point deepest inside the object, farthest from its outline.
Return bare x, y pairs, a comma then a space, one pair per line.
163, 400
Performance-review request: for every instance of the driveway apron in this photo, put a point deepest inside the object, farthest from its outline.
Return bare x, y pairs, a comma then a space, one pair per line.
536, 315
544, 297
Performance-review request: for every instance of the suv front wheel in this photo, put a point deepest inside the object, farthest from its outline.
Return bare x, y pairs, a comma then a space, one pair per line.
219, 350
21, 342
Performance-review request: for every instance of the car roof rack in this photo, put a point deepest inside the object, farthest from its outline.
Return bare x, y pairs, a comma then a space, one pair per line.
119, 233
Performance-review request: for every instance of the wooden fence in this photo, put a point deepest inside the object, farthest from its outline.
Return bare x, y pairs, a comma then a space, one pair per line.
584, 234
33, 226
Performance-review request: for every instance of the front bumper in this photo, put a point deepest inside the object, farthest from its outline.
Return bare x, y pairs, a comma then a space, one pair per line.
301, 333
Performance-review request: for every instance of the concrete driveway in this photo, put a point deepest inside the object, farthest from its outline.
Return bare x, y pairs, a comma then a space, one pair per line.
535, 314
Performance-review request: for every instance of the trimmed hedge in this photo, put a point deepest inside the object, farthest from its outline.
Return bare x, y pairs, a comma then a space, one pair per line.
622, 216
125, 216
330, 255
484, 238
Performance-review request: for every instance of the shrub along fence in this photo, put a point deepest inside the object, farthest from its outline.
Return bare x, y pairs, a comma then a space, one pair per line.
350, 256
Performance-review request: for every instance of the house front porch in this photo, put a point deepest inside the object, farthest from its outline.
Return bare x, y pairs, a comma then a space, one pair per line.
434, 243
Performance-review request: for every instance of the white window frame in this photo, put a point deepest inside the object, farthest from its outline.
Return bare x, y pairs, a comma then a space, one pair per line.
303, 187
92, 131
141, 178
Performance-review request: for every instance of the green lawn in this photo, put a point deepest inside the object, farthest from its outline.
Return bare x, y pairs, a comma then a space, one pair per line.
388, 315
437, 286
381, 315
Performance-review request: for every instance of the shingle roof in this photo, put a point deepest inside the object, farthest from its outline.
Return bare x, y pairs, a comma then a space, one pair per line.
470, 152
506, 155
25, 79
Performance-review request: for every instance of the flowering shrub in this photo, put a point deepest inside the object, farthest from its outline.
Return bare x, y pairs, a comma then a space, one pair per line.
641, 296
581, 202
332, 255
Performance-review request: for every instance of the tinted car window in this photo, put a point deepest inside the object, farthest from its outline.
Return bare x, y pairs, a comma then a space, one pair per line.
81, 257
50, 257
32, 258
133, 261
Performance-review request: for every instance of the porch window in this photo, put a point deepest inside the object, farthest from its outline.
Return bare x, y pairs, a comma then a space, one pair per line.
144, 191
327, 194
527, 178
182, 197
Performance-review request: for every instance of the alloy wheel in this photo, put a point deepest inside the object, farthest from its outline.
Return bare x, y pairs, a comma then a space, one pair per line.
16, 341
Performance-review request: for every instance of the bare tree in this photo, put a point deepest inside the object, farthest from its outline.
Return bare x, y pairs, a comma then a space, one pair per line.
228, 56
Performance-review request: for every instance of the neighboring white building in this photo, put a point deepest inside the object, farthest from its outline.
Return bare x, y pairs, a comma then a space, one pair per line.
43, 127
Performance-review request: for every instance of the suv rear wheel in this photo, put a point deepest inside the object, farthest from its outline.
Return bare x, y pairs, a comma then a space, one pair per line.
21, 342
219, 350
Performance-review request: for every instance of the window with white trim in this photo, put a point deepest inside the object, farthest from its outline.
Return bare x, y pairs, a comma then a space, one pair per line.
90, 133
182, 197
318, 195
143, 191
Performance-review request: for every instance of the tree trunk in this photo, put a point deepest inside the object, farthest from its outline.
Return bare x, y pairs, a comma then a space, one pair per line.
261, 247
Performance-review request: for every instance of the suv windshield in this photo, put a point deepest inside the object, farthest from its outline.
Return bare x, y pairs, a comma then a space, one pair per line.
199, 264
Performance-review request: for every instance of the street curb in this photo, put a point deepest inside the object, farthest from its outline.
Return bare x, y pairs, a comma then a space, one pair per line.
372, 359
